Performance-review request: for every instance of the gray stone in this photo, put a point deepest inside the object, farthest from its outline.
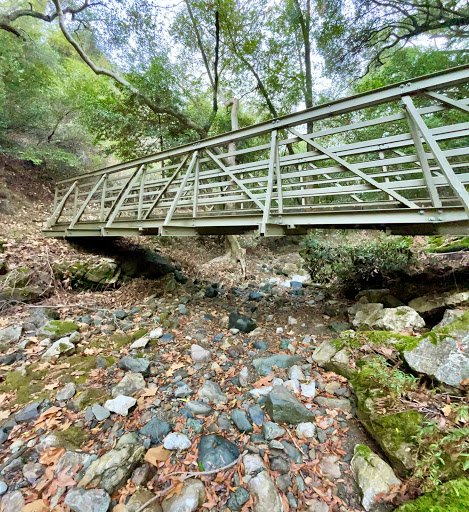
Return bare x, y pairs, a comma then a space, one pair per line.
199, 408
183, 391
324, 353
67, 392
155, 334
266, 497
139, 498
56, 329
334, 403
374, 316
81, 500
257, 414
112, 470
32, 471
253, 463
100, 413
264, 365
199, 354
10, 334
72, 461
156, 429
237, 499
135, 365
244, 376
317, 506
189, 499
176, 441
329, 466
216, 452
120, 405
12, 502
373, 476
308, 390
271, 430
28, 413
292, 452
445, 360
449, 317
3, 487
305, 429
283, 407
240, 419
280, 464
130, 384
213, 392
296, 373
58, 348
140, 343
241, 322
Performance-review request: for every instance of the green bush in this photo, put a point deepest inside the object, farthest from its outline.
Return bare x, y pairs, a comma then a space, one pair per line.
357, 258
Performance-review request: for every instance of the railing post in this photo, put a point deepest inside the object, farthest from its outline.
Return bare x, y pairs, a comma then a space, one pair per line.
82, 209
270, 180
58, 211
140, 195
196, 187
102, 209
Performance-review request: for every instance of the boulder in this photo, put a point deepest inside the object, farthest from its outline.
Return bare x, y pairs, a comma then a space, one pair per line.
375, 317
120, 405
139, 498
97, 273
56, 329
374, 477
447, 359
81, 500
112, 470
283, 407
189, 499
266, 497
264, 365
430, 305
216, 452
10, 334
60, 347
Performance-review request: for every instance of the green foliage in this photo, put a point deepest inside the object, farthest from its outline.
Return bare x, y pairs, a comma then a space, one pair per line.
355, 260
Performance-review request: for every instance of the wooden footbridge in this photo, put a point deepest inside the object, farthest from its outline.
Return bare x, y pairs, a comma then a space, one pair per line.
394, 158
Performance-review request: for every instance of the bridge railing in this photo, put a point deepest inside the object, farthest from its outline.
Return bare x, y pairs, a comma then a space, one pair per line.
402, 146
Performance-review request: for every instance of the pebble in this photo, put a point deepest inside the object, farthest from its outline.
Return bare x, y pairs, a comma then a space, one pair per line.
3, 488
308, 390
100, 413
305, 429
176, 441
120, 405
199, 354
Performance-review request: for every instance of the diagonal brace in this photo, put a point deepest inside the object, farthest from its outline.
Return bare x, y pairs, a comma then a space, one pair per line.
353, 168
60, 206
87, 200
449, 101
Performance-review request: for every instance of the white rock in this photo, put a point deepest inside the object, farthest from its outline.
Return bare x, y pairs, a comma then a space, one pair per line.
253, 463
305, 429
200, 355
266, 497
45, 343
130, 384
140, 343
308, 390
295, 372
244, 376
155, 333
120, 405
256, 393
293, 385
11, 334
74, 337
59, 347
176, 441
292, 321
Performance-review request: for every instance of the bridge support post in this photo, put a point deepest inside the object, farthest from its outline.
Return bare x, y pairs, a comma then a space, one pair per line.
270, 180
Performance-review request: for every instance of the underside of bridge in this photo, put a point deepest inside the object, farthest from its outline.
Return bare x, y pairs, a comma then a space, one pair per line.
395, 159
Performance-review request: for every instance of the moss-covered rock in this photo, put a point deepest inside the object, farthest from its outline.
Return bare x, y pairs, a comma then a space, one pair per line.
90, 397
441, 244
451, 496
72, 438
56, 329
89, 274
28, 387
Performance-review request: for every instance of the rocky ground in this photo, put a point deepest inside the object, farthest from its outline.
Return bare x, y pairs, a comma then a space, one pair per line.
203, 389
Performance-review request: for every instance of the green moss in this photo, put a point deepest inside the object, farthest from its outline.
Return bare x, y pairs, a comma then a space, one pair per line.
400, 342
58, 328
460, 324
361, 450
451, 496
120, 340
72, 438
90, 397
98, 343
439, 245
25, 385
139, 334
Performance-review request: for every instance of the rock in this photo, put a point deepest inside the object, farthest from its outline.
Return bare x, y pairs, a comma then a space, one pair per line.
449, 316
112, 470
199, 408
446, 360
120, 405
189, 499
199, 354
156, 429
308, 390
266, 497
237, 499
334, 403
67, 392
176, 441
183, 391
216, 452
365, 316
329, 466
3, 487
155, 334
213, 392
264, 365
317, 506
56, 329
257, 414
11, 334
374, 317
305, 429
71, 461
32, 471
271, 430
59, 347
292, 452
81, 500
283, 407
429, 305
373, 476
140, 343
296, 373
280, 464
28, 413
241, 322
240, 419
324, 353
138, 499
135, 365
101, 413
130, 384
12, 502
382, 296
244, 376
253, 464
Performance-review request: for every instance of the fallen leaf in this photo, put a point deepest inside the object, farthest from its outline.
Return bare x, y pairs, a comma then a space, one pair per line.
36, 506
446, 410
158, 454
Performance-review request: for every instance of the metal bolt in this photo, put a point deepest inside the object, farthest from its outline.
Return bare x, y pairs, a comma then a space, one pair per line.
432, 219
402, 86
421, 212
440, 211
440, 218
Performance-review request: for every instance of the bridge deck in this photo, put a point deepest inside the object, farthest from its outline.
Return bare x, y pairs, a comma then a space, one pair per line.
394, 158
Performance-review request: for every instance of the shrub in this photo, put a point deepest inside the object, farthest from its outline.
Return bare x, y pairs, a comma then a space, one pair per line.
357, 258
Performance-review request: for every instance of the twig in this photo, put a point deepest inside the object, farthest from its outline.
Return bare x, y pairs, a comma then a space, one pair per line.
294, 442
188, 475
